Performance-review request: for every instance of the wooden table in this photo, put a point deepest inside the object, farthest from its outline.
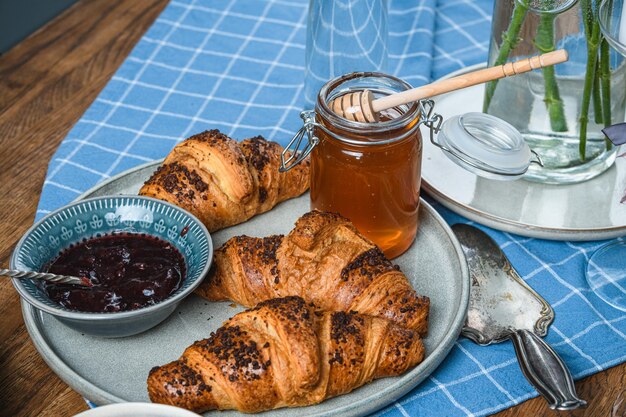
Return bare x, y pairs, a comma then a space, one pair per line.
46, 83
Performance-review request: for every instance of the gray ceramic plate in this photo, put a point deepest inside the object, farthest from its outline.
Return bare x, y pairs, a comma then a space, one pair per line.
115, 370
587, 211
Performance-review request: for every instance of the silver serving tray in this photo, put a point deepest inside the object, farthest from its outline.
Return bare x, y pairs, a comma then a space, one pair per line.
590, 210
115, 370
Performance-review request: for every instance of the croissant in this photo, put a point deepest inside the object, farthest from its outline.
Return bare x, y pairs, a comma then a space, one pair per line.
324, 260
223, 182
284, 353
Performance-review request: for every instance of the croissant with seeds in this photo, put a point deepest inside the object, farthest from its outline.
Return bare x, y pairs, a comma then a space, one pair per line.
284, 353
223, 182
324, 260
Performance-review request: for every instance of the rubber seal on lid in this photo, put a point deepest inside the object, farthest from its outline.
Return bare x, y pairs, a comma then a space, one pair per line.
485, 145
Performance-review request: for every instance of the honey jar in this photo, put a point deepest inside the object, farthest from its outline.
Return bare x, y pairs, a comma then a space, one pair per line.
367, 172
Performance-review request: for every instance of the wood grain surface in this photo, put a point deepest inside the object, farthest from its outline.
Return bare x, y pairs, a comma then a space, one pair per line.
46, 83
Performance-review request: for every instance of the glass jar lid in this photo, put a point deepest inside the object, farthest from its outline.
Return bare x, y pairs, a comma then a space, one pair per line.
486, 146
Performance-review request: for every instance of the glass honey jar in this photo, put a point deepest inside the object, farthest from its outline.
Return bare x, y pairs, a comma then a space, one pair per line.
367, 172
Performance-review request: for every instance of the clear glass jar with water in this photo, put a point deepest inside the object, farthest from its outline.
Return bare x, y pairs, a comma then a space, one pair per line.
560, 110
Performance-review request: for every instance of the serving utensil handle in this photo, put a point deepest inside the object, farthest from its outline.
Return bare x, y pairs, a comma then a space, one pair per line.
469, 79
45, 276
546, 371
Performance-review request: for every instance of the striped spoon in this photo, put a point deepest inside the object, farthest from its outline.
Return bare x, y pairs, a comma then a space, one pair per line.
45, 276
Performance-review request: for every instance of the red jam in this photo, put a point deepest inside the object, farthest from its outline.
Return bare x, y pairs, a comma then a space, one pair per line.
128, 271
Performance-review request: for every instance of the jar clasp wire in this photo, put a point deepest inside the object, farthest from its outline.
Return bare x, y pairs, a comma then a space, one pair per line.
291, 155
537, 161
430, 119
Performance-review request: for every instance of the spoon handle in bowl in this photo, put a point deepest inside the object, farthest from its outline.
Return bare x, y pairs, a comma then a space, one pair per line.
57, 279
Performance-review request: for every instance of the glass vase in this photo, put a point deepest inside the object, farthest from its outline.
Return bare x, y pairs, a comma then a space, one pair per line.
559, 110
343, 36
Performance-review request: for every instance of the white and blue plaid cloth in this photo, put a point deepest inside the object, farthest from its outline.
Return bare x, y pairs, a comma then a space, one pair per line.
239, 66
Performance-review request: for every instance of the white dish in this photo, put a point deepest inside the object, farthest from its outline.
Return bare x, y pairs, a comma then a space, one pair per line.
137, 410
589, 210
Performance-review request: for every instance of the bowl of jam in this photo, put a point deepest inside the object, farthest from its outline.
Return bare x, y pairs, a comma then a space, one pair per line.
142, 257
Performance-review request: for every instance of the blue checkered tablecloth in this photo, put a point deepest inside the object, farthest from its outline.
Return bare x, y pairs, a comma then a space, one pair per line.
239, 66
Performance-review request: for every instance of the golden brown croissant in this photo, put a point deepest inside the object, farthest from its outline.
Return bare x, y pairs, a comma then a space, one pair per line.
223, 182
284, 353
324, 260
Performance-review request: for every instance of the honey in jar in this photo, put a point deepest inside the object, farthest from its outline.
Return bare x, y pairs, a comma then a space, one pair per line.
369, 172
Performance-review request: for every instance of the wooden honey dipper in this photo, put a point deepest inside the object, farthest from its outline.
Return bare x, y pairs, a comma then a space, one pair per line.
360, 106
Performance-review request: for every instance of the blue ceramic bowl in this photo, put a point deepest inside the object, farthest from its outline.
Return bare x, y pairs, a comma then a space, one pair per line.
103, 215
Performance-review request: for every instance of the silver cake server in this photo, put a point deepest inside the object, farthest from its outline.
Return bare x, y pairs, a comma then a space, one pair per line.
502, 306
